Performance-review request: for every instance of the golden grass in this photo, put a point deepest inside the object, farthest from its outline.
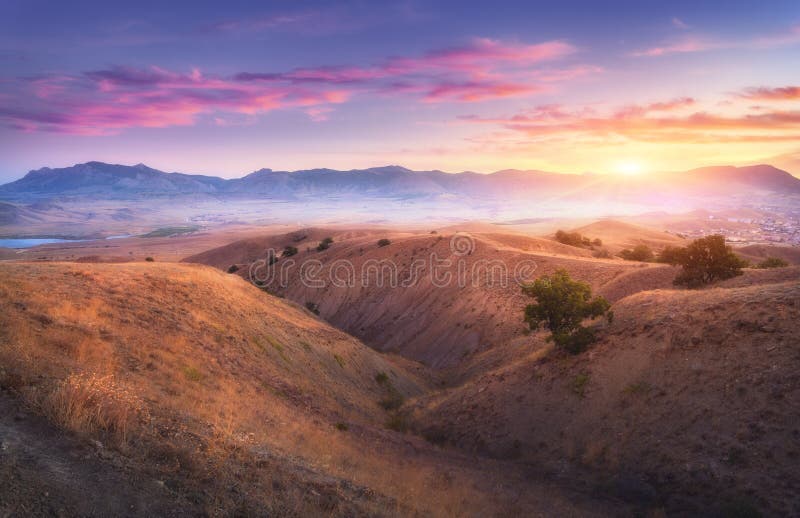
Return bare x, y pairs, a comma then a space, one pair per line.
221, 385
88, 403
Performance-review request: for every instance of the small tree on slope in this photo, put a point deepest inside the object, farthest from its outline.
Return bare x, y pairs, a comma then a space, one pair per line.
706, 260
561, 306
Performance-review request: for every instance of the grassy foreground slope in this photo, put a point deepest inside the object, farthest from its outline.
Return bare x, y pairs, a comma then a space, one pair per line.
224, 399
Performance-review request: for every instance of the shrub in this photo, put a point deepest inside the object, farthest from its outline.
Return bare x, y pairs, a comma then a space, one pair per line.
339, 360
192, 374
384, 242
149, 259
578, 385
561, 306
397, 422
382, 378
575, 342
640, 253
707, 260
670, 255
324, 244
312, 307
289, 251
233, 268
572, 239
343, 427
602, 254
772, 262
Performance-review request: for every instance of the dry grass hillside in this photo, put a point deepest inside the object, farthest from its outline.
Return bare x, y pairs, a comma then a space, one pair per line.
439, 324
617, 235
687, 404
224, 400
757, 253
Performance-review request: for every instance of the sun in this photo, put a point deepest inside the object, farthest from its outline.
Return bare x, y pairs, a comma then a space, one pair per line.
628, 168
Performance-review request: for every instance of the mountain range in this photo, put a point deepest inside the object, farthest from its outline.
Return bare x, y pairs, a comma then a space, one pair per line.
112, 181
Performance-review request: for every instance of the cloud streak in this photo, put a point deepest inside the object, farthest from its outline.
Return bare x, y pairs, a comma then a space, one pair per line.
667, 122
700, 43
109, 100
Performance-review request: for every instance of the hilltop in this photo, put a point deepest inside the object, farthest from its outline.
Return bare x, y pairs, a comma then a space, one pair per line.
438, 324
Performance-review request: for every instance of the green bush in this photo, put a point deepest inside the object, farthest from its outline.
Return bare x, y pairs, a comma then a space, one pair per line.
312, 307
384, 242
707, 260
149, 259
289, 251
572, 239
670, 255
324, 244
233, 268
561, 306
772, 262
575, 342
640, 253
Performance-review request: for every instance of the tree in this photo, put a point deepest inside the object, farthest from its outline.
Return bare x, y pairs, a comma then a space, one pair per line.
561, 306
571, 238
639, 253
706, 260
324, 244
670, 255
289, 251
772, 262
384, 242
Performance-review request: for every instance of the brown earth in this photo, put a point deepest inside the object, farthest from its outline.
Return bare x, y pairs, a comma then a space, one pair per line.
200, 388
617, 235
688, 401
438, 323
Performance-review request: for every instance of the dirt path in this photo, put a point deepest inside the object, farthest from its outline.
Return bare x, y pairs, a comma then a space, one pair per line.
44, 472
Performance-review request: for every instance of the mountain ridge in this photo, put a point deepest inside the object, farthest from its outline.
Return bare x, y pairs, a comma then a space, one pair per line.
122, 181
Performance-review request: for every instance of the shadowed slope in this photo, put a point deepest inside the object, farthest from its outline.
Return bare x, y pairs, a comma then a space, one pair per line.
688, 400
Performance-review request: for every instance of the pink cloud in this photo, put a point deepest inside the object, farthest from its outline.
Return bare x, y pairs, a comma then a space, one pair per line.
682, 46
667, 121
110, 100
785, 93
788, 37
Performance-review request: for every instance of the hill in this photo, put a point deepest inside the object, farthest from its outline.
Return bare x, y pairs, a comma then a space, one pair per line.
210, 396
472, 302
757, 253
617, 235
686, 403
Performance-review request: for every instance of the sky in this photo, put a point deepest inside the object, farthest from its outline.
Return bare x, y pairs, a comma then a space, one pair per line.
226, 88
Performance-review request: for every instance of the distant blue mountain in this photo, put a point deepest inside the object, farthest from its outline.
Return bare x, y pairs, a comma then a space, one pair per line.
101, 180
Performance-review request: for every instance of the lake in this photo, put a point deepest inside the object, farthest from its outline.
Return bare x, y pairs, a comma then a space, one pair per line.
29, 242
